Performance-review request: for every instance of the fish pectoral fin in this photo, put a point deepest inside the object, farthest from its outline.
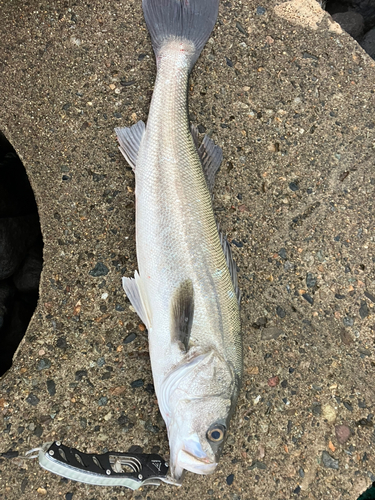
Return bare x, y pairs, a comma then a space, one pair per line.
134, 291
182, 311
231, 264
211, 156
129, 139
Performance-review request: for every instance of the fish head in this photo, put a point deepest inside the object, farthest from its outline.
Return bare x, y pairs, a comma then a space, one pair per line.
197, 403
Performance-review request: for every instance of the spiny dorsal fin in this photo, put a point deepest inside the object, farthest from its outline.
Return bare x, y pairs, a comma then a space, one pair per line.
210, 155
129, 139
182, 314
231, 264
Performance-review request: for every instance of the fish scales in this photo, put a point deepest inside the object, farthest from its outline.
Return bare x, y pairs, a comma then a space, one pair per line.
182, 266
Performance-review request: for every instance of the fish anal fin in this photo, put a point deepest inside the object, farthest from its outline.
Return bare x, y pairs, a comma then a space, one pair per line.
231, 264
182, 312
211, 156
135, 293
195, 134
129, 139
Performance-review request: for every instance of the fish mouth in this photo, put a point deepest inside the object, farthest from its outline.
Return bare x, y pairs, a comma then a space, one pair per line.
190, 462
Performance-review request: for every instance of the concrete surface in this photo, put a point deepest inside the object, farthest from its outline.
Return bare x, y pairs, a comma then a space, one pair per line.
290, 99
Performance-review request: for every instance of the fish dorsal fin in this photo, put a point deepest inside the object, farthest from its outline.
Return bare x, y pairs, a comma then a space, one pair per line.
129, 139
211, 156
182, 311
134, 291
230, 263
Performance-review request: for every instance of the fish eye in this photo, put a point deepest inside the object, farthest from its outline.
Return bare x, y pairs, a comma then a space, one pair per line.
216, 433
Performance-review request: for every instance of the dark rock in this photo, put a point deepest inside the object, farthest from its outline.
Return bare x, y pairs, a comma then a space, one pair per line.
137, 383
363, 310
241, 29
99, 270
282, 253
364, 351
61, 343
258, 465
347, 405
363, 422
316, 409
80, 374
339, 296
280, 312
135, 449
43, 364
130, 338
308, 298
51, 387
24, 484
348, 321
351, 22
32, 399
119, 308
230, 479
150, 388
10, 454
310, 280
297, 490
100, 362
294, 186
69, 496
154, 429
260, 11
370, 296
328, 461
103, 401
125, 423
38, 431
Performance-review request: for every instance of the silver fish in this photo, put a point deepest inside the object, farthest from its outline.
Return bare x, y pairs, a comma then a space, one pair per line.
186, 290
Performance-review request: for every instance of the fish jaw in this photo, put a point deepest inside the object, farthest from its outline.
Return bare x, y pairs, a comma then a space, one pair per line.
188, 455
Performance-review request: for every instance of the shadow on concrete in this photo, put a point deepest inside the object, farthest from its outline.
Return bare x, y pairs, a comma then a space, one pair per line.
21, 252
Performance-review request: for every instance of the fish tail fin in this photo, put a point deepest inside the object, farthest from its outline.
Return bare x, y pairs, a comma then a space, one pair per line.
188, 20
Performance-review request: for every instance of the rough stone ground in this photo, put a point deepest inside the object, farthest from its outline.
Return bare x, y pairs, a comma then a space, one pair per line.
291, 101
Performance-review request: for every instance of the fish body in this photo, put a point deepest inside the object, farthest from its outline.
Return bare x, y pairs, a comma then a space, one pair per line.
184, 291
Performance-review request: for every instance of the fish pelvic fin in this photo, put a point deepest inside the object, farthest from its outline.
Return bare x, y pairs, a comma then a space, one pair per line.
182, 314
191, 20
134, 290
129, 139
